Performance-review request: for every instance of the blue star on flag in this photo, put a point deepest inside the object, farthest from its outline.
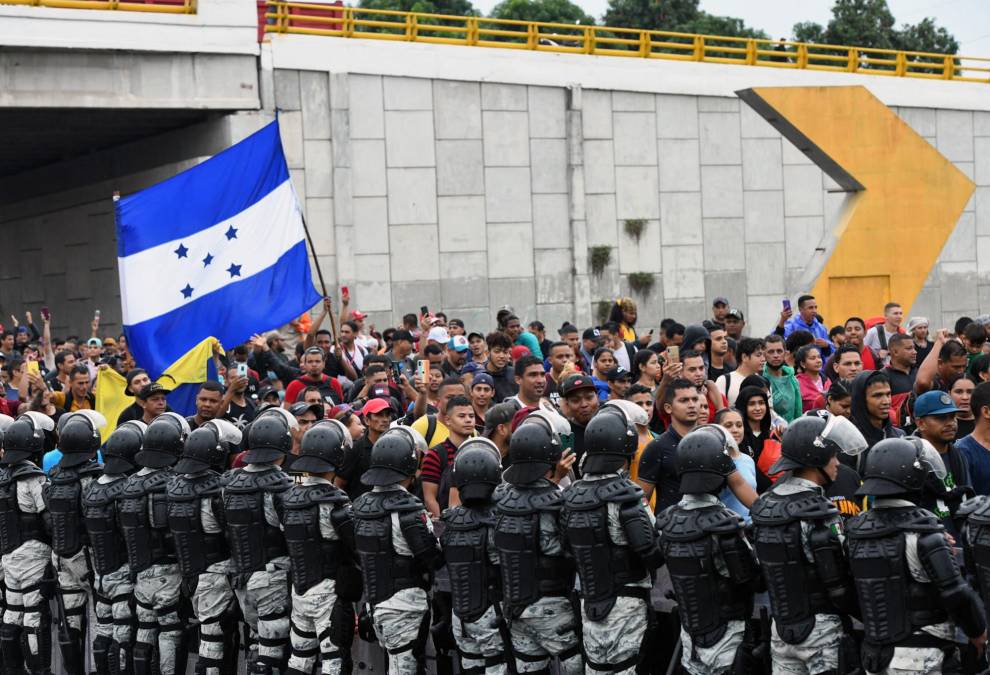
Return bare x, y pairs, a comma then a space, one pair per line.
231, 232
234, 270
182, 251
187, 291
207, 260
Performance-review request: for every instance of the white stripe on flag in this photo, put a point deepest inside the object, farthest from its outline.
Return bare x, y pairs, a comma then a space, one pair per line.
152, 281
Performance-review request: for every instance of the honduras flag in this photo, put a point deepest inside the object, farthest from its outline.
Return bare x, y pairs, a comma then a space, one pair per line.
217, 251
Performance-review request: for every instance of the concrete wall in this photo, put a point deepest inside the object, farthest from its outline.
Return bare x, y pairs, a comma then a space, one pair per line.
471, 195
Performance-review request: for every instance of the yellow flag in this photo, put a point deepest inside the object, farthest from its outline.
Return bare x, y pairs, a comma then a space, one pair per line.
191, 367
110, 398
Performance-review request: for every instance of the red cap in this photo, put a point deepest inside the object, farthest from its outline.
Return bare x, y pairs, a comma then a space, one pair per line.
358, 315
519, 351
375, 405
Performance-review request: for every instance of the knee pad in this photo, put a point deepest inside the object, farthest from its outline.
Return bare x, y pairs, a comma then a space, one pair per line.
142, 655
102, 647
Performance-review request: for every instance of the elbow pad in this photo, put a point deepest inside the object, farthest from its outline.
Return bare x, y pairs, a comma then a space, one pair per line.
739, 559
422, 542
830, 563
958, 599
642, 536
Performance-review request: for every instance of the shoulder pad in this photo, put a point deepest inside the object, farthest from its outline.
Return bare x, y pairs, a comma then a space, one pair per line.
369, 506
180, 489
401, 500
5, 475
62, 475
876, 523
270, 480
977, 510
465, 518
620, 490
302, 496
681, 524
93, 469
772, 509
519, 501
25, 470
103, 493
717, 519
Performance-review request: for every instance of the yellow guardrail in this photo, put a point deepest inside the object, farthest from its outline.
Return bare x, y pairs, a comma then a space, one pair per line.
157, 6
376, 24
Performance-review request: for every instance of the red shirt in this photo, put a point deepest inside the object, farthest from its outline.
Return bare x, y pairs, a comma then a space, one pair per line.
327, 383
432, 470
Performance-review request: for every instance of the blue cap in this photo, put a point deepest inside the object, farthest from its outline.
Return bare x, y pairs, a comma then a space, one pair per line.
934, 403
483, 378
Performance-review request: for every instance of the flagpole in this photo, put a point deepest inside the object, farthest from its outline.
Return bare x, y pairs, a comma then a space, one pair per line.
319, 275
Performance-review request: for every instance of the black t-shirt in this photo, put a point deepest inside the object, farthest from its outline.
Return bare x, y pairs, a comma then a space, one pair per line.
900, 382
923, 351
658, 465
965, 427
842, 492
578, 431
715, 373
357, 461
552, 392
242, 415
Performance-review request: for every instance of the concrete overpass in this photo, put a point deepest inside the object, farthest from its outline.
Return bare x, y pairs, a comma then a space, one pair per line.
457, 177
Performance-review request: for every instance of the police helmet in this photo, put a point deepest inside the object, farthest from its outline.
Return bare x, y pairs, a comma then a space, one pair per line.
27, 438
897, 466
534, 449
79, 436
394, 457
610, 440
812, 442
122, 447
704, 460
477, 470
269, 437
322, 448
208, 446
163, 441
5, 421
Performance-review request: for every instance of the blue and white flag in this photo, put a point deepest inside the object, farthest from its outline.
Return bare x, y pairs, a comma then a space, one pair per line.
218, 250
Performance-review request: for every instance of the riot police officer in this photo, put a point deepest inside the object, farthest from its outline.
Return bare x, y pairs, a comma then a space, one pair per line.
319, 534
537, 576
25, 543
904, 570
251, 497
78, 440
196, 519
143, 509
472, 561
610, 534
712, 568
112, 584
397, 548
799, 543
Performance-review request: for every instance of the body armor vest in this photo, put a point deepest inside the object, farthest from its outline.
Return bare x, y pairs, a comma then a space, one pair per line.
16, 526
195, 548
385, 572
253, 540
527, 572
706, 599
144, 520
602, 565
312, 557
795, 589
63, 498
101, 516
894, 605
474, 581
977, 544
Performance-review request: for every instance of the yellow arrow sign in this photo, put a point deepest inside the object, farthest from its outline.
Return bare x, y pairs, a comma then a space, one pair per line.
908, 196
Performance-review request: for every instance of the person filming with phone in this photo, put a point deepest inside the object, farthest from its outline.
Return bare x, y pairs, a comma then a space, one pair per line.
807, 319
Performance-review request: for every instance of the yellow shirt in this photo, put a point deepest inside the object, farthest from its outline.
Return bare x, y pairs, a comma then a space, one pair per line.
59, 397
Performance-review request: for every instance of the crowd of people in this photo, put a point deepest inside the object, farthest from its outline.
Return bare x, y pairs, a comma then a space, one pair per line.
812, 500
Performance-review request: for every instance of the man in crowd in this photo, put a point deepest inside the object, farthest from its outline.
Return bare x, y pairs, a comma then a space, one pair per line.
579, 403
435, 471
499, 367
871, 408
718, 354
807, 319
945, 362
313, 362
878, 337
751, 359
848, 363
481, 393
976, 446
531, 380
561, 358
735, 324
935, 414
784, 385
378, 415
917, 328
455, 356
77, 395
658, 463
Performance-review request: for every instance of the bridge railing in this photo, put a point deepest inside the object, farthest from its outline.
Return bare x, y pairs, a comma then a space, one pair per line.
284, 16
158, 6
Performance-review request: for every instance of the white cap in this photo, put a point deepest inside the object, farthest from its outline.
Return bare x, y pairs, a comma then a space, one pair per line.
438, 334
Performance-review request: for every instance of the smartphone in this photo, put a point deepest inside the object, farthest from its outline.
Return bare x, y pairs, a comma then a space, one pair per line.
32, 367
674, 353
423, 370
424, 311
96, 315
396, 372
344, 291
786, 303
242, 370
46, 314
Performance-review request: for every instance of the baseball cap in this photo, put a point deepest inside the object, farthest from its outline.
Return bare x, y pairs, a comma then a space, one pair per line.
501, 413
934, 403
94, 342
150, 390
458, 343
483, 378
131, 374
518, 352
300, 408
475, 334
573, 383
591, 334
375, 406
436, 334
916, 321
618, 373
266, 391
455, 322
360, 316
736, 314
380, 391
720, 300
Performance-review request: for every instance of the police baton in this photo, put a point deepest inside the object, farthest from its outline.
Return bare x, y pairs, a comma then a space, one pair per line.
503, 631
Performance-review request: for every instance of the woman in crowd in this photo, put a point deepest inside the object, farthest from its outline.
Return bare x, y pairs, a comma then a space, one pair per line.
646, 369
759, 441
814, 384
604, 361
732, 421
961, 393
624, 313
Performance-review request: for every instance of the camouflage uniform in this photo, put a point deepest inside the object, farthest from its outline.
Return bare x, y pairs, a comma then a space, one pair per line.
26, 613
